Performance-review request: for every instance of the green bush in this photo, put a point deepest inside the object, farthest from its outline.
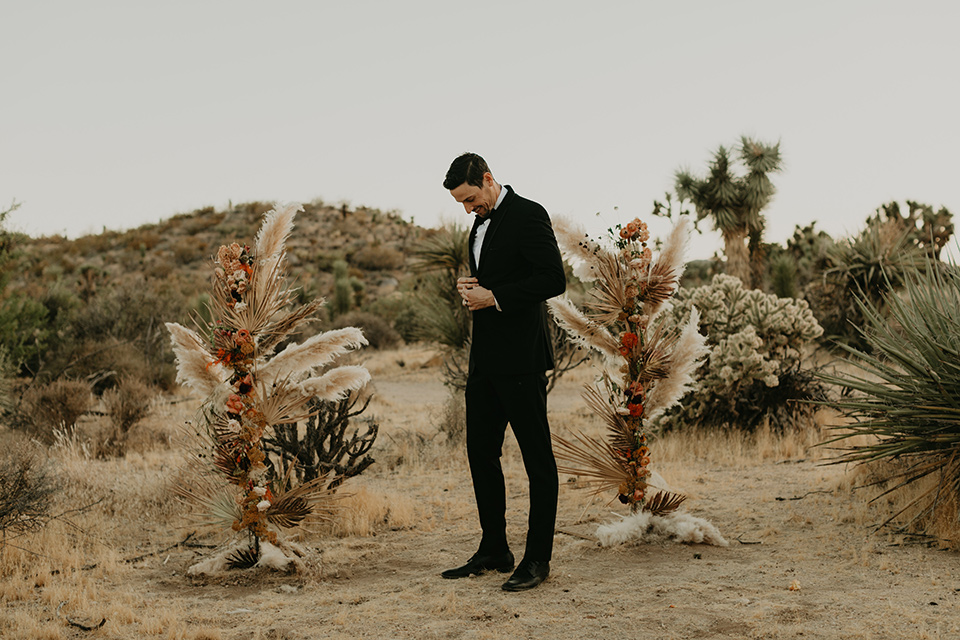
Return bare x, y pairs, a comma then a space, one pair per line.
755, 371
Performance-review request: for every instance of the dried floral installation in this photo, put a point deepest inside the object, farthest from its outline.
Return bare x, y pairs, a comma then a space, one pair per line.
250, 390
645, 370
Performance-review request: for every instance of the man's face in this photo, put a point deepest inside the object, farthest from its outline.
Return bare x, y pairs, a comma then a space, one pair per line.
478, 200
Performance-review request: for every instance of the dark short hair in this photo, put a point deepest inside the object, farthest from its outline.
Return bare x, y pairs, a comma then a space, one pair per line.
468, 168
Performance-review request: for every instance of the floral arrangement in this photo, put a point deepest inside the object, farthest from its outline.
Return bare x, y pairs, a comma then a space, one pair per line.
646, 368
249, 390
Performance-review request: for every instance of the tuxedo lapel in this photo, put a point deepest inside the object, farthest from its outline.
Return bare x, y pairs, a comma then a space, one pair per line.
496, 218
477, 221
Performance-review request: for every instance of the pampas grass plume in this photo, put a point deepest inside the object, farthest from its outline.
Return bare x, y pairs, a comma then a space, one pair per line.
316, 352
276, 228
584, 331
643, 526
337, 383
687, 355
576, 244
195, 365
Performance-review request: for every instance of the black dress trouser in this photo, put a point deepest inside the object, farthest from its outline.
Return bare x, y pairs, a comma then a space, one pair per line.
493, 401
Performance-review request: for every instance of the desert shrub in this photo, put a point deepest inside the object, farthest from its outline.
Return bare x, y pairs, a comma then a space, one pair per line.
125, 405
399, 310
867, 266
26, 487
755, 371
905, 394
376, 330
48, 406
452, 422
190, 249
378, 258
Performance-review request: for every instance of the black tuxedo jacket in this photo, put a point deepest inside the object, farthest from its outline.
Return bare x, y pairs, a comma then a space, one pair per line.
520, 262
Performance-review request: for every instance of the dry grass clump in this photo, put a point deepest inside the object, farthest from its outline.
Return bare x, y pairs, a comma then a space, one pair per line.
126, 405
370, 507
26, 486
46, 407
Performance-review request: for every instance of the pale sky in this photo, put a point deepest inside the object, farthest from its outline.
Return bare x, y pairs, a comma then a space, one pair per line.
115, 114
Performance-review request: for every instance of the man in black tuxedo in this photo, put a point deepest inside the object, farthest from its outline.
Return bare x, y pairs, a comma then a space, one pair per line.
515, 266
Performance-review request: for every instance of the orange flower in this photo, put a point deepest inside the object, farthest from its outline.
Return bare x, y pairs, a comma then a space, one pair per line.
629, 340
636, 410
235, 403
624, 233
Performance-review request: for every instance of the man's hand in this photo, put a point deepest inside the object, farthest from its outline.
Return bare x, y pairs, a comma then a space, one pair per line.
474, 296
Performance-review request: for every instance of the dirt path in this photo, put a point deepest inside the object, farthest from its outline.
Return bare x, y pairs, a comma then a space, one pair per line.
795, 568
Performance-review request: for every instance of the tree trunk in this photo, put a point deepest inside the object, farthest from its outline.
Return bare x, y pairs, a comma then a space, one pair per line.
738, 258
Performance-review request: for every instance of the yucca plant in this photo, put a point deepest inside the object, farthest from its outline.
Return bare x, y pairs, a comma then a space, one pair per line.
252, 391
906, 394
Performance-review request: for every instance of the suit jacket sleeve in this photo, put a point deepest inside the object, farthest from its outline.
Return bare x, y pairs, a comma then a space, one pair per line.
538, 247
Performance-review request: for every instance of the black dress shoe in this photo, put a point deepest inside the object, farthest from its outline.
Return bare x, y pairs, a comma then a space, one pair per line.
529, 574
478, 564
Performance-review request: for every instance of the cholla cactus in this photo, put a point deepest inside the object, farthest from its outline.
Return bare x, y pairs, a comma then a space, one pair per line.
754, 371
647, 367
250, 390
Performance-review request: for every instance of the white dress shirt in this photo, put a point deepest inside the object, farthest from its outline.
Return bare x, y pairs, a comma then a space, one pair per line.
482, 229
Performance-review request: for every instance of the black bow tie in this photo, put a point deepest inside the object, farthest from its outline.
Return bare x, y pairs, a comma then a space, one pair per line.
479, 220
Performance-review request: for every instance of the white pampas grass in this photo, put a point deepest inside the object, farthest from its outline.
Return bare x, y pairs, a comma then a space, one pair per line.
578, 248
335, 384
582, 329
643, 526
195, 365
276, 228
687, 355
316, 352
675, 248
272, 557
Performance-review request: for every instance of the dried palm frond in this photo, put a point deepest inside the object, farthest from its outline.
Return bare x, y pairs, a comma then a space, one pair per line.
686, 357
664, 502
609, 297
620, 433
316, 352
213, 503
337, 383
654, 360
281, 327
314, 498
582, 329
283, 403
593, 458
671, 259
657, 287
244, 558
195, 366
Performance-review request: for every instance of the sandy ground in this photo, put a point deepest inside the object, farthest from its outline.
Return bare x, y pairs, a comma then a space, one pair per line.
801, 563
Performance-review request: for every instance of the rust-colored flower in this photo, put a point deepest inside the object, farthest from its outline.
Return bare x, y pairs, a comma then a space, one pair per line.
636, 410
629, 340
235, 403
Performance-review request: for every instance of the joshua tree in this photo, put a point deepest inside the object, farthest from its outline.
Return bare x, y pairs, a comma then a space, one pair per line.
735, 202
